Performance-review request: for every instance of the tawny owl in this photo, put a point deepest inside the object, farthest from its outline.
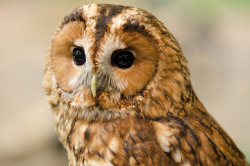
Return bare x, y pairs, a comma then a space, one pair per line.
120, 88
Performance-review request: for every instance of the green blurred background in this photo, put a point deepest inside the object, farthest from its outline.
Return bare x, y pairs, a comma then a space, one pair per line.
214, 35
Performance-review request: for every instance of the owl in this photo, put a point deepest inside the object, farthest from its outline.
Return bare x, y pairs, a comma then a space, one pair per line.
120, 88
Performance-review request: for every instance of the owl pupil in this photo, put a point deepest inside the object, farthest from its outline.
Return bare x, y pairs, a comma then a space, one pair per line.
122, 59
79, 57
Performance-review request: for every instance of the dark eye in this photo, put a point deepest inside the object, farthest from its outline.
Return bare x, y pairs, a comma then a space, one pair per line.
79, 56
122, 59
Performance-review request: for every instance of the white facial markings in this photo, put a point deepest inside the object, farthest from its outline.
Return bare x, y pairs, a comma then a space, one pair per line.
74, 81
85, 42
111, 43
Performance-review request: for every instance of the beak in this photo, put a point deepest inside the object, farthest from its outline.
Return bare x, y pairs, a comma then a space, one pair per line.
93, 85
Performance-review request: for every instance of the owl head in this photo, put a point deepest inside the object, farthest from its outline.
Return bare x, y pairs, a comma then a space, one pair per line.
107, 61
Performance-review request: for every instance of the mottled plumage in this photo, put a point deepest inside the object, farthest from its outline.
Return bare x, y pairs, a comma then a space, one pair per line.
144, 114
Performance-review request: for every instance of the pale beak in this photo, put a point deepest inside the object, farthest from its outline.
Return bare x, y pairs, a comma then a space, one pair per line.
93, 85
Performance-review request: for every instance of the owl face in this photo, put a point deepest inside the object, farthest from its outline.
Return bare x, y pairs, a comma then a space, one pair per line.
106, 56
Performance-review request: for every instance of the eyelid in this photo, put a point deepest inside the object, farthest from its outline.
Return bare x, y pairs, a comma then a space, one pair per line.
75, 46
126, 49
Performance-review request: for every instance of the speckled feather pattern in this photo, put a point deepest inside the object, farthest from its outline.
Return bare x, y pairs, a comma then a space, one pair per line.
146, 115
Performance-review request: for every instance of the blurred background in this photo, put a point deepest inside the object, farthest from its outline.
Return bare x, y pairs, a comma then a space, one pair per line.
214, 35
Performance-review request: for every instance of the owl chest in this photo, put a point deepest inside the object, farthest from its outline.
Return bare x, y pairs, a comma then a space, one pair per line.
118, 142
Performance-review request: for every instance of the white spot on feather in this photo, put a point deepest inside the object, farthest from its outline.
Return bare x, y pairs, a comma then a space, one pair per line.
185, 163
176, 155
113, 145
162, 134
164, 143
93, 162
165, 138
79, 141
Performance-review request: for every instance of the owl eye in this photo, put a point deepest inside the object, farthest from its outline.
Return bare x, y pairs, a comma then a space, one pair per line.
122, 59
79, 57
